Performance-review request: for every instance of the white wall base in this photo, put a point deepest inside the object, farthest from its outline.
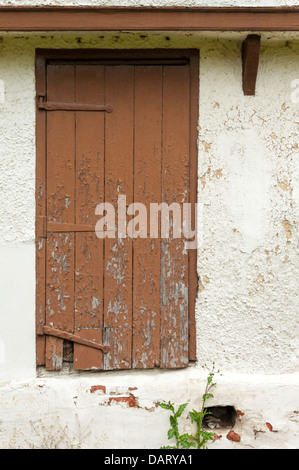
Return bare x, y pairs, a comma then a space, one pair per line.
109, 410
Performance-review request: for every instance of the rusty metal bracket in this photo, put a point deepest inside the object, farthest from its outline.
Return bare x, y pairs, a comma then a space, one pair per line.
47, 330
58, 106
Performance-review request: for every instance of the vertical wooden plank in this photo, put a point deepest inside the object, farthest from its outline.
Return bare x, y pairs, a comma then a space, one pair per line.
175, 184
90, 88
40, 197
147, 190
194, 110
60, 208
118, 181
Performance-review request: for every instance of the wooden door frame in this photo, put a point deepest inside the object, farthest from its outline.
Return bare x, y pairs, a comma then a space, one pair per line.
42, 58
88, 18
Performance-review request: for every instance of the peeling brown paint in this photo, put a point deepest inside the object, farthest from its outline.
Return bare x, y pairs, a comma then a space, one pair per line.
258, 284
200, 286
285, 185
203, 177
284, 107
133, 296
268, 259
60, 158
288, 229
207, 146
218, 173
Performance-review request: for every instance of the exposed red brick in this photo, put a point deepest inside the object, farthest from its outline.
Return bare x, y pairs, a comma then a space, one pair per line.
95, 388
233, 436
217, 437
270, 427
132, 388
131, 400
240, 413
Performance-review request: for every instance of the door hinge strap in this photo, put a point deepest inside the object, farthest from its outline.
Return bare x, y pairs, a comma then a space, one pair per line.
48, 330
66, 227
43, 227
58, 106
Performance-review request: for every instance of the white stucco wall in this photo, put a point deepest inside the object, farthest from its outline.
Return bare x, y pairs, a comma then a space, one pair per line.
247, 306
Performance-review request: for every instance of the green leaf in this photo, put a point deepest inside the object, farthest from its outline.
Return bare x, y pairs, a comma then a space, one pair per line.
208, 436
167, 406
171, 433
185, 441
206, 396
180, 410
173, 421
187, 444
196, 416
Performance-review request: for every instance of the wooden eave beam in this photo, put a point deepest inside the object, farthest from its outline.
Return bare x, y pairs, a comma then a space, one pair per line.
15, 18
250, 63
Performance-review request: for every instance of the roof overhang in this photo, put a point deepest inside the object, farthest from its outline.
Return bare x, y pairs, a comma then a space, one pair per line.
85, 18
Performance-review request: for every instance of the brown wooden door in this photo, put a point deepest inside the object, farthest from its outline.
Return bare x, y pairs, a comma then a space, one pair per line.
134, 295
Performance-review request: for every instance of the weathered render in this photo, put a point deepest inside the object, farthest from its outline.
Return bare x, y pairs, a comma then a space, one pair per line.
247, 301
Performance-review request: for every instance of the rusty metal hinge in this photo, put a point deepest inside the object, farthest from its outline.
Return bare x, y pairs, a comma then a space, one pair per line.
45, 105
48, 330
